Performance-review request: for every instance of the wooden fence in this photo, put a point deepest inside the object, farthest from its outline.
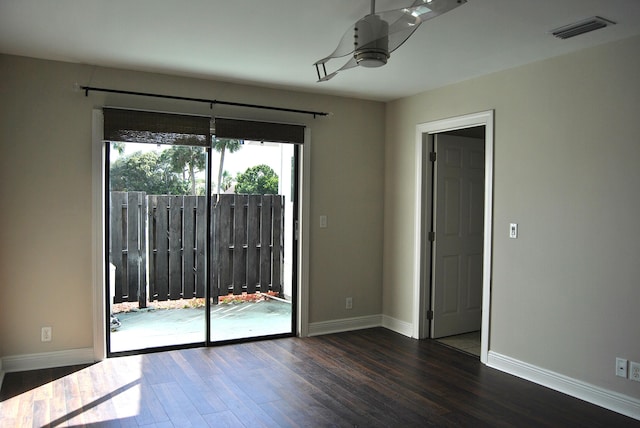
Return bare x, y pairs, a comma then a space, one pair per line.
158, 246
128, 246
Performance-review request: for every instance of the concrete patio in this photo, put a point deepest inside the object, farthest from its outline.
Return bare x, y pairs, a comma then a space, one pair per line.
148, 328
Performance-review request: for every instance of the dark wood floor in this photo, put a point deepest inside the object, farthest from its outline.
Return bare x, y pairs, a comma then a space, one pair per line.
367, 378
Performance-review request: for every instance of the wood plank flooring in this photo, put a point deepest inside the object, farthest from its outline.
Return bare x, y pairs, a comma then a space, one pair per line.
367, 378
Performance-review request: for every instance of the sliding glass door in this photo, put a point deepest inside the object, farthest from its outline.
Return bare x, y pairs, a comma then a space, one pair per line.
201, 232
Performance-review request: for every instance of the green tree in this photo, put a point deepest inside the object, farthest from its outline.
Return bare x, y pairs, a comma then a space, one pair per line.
227, 180
118, 146
223, 145
146, 172
186, 160
260, 180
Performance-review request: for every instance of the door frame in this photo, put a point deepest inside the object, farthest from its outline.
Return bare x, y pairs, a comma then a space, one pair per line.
421, 298
98, 174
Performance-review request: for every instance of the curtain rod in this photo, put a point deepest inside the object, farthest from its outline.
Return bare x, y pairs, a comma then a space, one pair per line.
200, 100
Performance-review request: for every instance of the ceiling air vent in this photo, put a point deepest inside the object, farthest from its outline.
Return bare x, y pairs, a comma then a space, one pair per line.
581, 27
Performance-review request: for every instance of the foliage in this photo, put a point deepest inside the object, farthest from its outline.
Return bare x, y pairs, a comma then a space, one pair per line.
225, 144
146, 172
118, 146
222, 145
227, 181
257, 180
185, 160
169, 172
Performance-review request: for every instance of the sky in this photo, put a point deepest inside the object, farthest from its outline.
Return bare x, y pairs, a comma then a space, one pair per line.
251, 154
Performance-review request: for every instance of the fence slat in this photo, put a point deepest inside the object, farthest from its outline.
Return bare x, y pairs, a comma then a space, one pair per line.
277, 245
239, 242
118, 204
189, 247
152, 203
175, 247
265, 243
201, 245
133, 246
223, 234
162, 248
253, 231
214, 271
142, 264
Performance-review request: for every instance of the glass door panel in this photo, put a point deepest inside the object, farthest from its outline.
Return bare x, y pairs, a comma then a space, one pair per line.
157, 245
254, 206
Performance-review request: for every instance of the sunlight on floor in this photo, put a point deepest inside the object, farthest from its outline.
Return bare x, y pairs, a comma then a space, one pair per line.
37, 406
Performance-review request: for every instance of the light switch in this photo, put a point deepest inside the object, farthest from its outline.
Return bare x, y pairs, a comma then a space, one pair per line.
323, 221
513, 230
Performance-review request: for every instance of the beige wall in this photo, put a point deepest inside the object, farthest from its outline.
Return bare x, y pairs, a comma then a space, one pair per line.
565, 294
45, 187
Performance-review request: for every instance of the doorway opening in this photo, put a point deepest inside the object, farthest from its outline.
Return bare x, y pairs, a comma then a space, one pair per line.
453, 240
457, 182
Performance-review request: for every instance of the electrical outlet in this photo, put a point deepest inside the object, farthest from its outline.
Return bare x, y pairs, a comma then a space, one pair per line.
349, 303
45, 334
621, 367
634, 371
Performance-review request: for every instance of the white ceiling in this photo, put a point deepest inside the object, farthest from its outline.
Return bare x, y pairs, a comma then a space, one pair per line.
275, 43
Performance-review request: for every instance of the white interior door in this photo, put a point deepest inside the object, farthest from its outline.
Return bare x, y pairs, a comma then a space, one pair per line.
458, 245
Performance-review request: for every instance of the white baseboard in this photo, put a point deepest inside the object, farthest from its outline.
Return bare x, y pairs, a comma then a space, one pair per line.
345, 324
611, 400
394, 324
45, 360
359, 323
